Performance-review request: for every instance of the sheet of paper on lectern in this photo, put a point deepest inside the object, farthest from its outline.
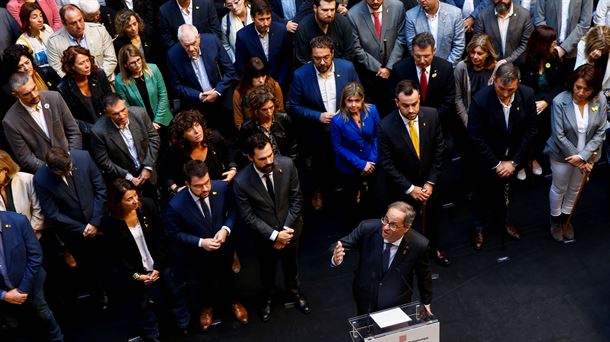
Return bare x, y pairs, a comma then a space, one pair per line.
390, 317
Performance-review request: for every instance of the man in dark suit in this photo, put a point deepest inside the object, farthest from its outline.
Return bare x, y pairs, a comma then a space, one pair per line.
22, 276
290, 12
201, 218
38, 121
199, 13
390, 254
314, 112
502, 124
379, 42
125, 144
411, 158
268, 199
201, 76
267, 40
509, 26
437, 90
72, 194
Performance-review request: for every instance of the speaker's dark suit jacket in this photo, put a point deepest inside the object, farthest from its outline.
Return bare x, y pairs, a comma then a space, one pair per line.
375, 289
256, 207
185, 222
29, 142
205, 19
441, 83
22, 254
493, 140
71, 209
279, 63
397, 156
111, 153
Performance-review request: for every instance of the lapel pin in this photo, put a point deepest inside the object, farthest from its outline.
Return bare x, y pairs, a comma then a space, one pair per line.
594, 108
7, 226
46, 106
280, 170
196, 7
517, 108
434, 74
214, 193
423, 123
547, 65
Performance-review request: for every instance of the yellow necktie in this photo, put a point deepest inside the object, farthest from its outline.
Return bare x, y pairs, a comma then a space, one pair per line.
414, 138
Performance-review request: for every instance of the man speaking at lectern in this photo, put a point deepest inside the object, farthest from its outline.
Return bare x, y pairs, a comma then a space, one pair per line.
390, 253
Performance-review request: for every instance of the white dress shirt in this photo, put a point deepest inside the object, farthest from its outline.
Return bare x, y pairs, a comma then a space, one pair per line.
565, 12
264, 39
427, 73
37, 114
261, 176
503, 26
187, 14
131, 146
328, 89
138, 235
197, 201
467, 8
433, 24
201, 73
380, 11
582, 122
393, 248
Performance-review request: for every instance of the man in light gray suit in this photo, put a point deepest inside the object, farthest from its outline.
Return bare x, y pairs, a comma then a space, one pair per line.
38, 121
445, 23
379, 42
509, 26
570, 27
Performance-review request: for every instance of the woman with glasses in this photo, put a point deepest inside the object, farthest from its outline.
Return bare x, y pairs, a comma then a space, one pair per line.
83, 88
141, 84
354, 136
237, 18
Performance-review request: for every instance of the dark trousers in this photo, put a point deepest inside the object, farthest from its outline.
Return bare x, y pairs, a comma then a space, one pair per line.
11, 314
427, 220
490, 200
216, 279
269, 258
319, 161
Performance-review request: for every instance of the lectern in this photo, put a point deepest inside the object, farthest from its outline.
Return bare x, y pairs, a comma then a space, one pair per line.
416, 329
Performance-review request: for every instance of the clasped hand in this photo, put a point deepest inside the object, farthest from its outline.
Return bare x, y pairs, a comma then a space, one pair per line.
338, 253
283, 238
212, 244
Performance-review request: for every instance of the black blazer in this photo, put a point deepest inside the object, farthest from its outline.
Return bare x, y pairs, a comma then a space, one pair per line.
399, 162
259, 211
441, 83
143, 7
111, 153
68, 210
373, 289
556, 74
99, 87
493, 141
126, 254
149, 45
205, 19
281, 130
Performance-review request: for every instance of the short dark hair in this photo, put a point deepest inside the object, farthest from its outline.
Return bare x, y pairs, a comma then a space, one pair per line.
12, 56
256, 141
116, 191
194, 168
591, 76
259, 7
25, 12
58, 160
406, 87
423, 40
65, 8
110, 100
317, 2
322, 42
507, 73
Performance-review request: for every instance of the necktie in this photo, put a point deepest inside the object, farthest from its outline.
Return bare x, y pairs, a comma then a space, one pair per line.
385, 256
269, 186
414, 137
377, 24
206, 211
423, 85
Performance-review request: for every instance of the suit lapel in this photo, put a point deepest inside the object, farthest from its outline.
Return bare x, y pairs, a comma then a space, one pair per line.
366, 17
27, 118
515, 112
495, 31
401, 252
260, 188
315, 87
497, 110
195, 213
48, 116
405, 136
423, 134
115, 136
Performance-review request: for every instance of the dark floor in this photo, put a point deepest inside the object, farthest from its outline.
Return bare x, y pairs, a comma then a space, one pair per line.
545, 292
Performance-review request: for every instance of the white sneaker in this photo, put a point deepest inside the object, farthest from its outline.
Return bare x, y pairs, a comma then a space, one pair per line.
521, 175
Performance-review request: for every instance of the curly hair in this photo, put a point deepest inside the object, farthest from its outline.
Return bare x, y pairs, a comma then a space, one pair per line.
122, 20
11, 57
258, 96
182, 122
69, 58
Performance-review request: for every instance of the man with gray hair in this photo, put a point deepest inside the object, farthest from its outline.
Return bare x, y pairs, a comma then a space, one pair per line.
38, 121
390, 254
201, 76
501, 123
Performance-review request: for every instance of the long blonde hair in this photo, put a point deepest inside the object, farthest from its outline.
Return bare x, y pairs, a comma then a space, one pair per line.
131, 51
598, 38
352, 89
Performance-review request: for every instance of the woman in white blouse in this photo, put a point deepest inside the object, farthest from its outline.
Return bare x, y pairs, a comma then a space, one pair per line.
36, 32
235, 20
578, 124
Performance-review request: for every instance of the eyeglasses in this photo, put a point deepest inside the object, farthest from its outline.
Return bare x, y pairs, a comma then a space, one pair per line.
135, 62
393, 226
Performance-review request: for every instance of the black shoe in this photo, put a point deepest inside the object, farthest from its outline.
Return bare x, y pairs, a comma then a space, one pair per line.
301, 303
440, 258
266, 312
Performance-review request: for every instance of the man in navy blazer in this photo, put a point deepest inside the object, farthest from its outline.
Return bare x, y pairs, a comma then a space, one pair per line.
201, 14
202, 75
21, 273
72, 194
391, 253
201, 218
250, 40
502, 124
314, 113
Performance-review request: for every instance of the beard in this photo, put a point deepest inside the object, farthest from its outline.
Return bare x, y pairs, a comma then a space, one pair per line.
502, 8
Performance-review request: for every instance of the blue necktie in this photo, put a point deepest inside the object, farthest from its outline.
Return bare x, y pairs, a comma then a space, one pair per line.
385, 257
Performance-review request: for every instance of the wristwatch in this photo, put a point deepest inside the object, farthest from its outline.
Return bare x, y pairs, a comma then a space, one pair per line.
513, 162
136, 276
